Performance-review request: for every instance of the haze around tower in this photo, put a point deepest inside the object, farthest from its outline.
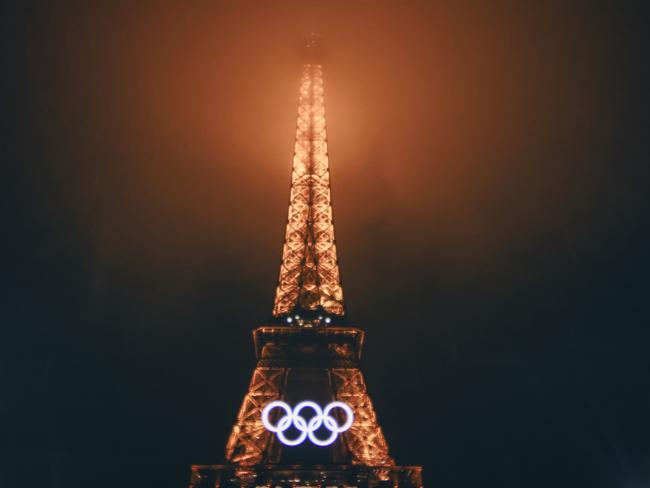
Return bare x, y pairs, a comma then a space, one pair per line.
488, 166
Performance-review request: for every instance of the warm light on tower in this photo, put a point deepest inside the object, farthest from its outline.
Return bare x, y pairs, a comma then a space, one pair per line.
309, 274
308, 352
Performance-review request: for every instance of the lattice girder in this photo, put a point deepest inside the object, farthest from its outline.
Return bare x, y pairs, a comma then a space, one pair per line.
365, 438
309, 273
248, 440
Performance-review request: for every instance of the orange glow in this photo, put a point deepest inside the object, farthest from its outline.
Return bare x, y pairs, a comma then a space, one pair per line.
309, 274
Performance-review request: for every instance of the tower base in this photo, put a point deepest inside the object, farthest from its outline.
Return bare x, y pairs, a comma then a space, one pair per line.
272, 476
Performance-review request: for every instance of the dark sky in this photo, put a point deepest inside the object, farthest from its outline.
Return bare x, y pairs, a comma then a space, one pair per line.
489, 164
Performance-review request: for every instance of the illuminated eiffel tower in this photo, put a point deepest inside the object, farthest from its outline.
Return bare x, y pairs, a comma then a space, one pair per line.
307, 419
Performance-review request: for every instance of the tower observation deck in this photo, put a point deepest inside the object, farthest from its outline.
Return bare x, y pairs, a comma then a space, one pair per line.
307, 418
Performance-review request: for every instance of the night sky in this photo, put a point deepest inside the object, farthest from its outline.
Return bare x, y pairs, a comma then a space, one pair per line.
489, 166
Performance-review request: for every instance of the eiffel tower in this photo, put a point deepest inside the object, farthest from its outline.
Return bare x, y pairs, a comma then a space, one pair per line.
307, 419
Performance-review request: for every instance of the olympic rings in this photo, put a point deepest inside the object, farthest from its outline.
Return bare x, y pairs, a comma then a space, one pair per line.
306, 427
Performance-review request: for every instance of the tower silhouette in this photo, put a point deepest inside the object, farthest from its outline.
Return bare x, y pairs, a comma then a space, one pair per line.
307, 419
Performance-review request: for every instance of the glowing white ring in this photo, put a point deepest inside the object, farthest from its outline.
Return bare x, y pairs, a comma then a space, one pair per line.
348, 414
283, 423
307, 428
292, 442
314, 423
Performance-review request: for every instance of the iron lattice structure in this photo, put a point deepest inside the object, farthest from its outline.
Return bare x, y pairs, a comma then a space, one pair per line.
249, 439
365, 440
251, 444
325, 361
311, 358
309, 273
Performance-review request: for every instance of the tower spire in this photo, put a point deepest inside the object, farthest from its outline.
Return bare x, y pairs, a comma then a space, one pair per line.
309, 279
